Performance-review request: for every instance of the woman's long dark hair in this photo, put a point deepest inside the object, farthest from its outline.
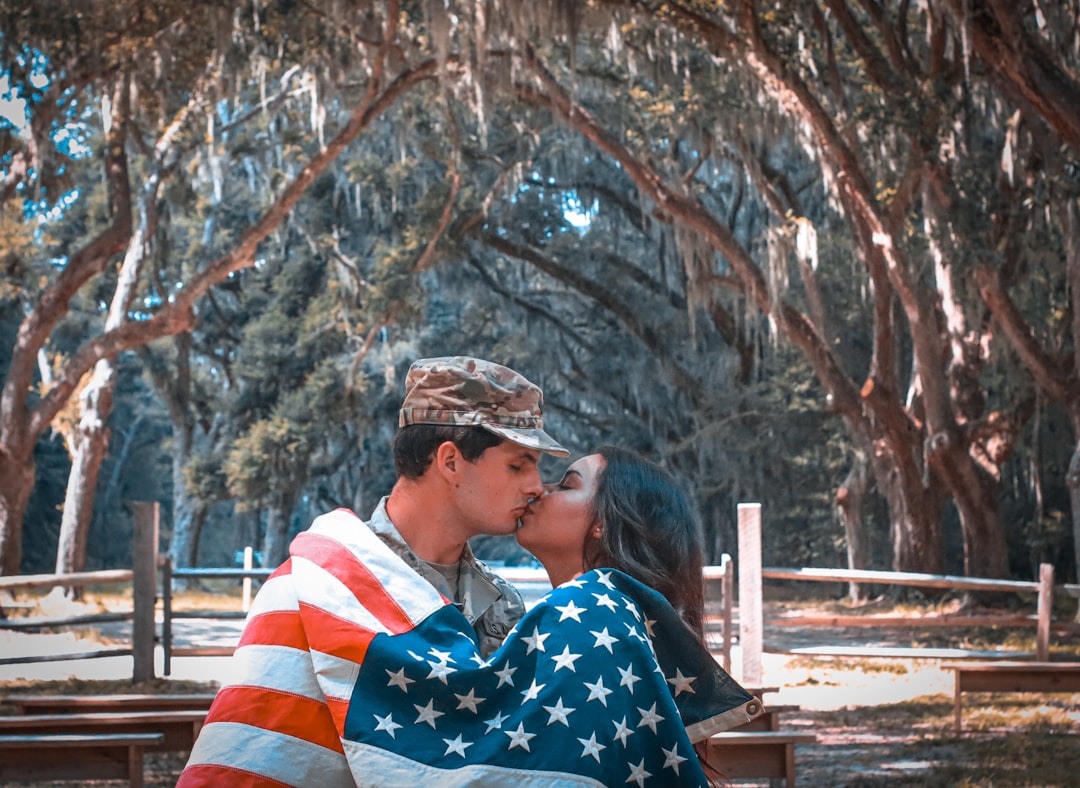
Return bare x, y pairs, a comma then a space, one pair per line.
651, 531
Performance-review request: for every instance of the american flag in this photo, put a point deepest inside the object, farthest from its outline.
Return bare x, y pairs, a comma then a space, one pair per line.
361, 673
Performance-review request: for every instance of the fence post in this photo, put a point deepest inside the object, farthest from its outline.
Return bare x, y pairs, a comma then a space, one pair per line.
727, 586
166, 615
1044, 611
249, 562
144, 588
750, 617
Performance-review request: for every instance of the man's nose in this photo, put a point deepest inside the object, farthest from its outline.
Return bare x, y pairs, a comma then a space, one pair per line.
535, 486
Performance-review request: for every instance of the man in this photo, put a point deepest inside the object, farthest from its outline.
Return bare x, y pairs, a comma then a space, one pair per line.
471, 436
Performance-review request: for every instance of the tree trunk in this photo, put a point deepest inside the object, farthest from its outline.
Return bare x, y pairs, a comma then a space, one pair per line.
16, 483
91, 444
275, 547
850, 503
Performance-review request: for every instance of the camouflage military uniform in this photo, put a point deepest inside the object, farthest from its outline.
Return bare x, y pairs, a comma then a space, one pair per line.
490, 603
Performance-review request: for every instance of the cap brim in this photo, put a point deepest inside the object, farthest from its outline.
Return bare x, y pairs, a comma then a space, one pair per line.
529, 438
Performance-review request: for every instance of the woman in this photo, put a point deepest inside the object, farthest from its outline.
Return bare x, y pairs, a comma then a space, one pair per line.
616, 509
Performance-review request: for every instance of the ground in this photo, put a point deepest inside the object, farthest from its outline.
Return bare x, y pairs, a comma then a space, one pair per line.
879, 722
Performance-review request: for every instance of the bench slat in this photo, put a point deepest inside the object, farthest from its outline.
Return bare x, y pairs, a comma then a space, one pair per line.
54, 756
1010, 677
63, 704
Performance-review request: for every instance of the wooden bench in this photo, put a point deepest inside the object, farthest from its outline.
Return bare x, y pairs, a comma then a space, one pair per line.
71, 704
757, 754
71, 756
179, 728
1011, 677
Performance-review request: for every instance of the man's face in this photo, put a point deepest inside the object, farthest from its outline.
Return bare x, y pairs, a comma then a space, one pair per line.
494, 491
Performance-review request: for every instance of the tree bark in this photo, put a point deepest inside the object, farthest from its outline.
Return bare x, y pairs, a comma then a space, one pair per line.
91, 440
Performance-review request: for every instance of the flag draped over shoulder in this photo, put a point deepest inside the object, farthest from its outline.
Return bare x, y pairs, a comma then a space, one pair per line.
599, 684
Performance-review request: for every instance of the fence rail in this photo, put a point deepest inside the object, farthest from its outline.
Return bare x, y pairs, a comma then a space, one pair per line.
1043, 588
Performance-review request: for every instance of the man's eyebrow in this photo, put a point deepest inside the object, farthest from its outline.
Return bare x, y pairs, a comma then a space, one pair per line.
528, 456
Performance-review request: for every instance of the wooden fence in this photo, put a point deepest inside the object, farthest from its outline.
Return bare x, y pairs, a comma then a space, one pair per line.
720, 605
752, 625
143, 578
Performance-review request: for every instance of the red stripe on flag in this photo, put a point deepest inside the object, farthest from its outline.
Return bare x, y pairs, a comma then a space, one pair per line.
214, 776
283, 569
283, 712
334, 635
339, 710
336, 559
275, 628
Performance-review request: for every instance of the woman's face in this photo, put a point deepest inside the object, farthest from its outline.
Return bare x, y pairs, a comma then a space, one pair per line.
555, 527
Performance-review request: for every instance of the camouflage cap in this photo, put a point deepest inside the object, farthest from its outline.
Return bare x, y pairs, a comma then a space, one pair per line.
470, 391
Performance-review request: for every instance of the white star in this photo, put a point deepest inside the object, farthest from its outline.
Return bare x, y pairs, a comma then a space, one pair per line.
650, 718
505, 674
682, 683
603, 600
399, 679
631, 631
672, 759
387, 724
638, 774
592, 747
427, 713
533, 690
480, 661
440, 670
633, 609
576, 582
570, 611
605, 578
496, 722
456, 745
622, 731
598, 691
558, 712
536, 641
415, 656
566, 660
469, 701
628, 677
604, 639
519, 738
441, 656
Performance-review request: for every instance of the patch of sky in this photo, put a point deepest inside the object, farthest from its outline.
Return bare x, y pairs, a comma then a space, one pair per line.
577, 213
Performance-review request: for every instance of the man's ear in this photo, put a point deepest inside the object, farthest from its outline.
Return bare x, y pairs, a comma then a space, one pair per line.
447, 459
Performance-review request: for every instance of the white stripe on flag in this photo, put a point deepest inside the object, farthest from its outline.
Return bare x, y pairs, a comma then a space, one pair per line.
337, 676
277, 593
278, 668
378, 768
270, 753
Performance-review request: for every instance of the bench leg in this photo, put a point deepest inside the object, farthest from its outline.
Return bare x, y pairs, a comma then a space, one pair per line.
135, 766
956, 705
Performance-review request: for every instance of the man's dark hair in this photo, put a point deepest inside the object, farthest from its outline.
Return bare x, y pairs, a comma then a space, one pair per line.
415, 445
